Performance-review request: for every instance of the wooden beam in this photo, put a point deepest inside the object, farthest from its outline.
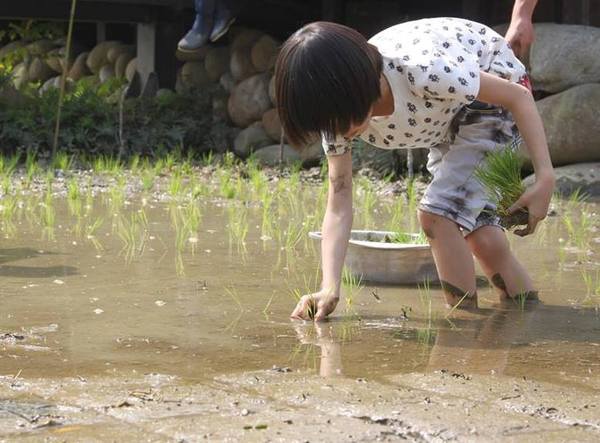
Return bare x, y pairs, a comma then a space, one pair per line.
87, 11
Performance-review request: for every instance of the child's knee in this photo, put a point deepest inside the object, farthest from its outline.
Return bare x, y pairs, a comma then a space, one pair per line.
433, 224
489, 247
429, 223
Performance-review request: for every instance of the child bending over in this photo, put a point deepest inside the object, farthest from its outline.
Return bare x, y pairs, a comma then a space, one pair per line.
451, 85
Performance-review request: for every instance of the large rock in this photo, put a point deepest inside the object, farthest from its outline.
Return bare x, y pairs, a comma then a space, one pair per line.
194, 75
113, 53
39, 71
563, 56
249, 100
241, 65
264, 53
584, 177
11, 48
216, 62
251, 139
227, 82
572, 124
20, 75
99, 55
219, 106
131, 69
79, 68
272, 124
40, 47
106, 73
311, 154
244, 38
53, 58
272, 94
121, 64
271, 155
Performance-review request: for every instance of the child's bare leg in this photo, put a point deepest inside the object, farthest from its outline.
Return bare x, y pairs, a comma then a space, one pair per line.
453, 259
490, 245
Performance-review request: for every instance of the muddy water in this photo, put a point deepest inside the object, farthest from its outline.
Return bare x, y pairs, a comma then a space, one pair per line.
198, 306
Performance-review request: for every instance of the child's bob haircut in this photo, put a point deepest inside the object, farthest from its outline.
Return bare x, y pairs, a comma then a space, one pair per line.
327, 78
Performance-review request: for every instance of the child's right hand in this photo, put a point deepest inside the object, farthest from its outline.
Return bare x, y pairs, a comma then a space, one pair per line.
316, 306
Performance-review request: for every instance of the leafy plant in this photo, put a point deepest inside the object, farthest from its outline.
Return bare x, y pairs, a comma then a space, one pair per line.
500, 175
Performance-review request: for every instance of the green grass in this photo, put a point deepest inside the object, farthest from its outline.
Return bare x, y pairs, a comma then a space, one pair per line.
500, 175
407, 238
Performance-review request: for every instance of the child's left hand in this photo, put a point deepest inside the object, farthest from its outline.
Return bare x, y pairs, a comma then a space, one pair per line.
536, 199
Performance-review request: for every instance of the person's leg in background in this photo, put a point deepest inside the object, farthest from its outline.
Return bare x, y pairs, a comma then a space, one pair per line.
201, 30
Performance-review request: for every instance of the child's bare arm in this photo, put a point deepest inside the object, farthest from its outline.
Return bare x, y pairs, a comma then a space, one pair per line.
519, 101
337, 224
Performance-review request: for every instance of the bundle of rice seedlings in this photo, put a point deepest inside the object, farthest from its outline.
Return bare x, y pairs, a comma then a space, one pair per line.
500, 175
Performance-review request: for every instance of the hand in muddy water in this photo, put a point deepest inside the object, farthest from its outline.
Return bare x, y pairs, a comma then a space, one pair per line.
536, 200
316, 306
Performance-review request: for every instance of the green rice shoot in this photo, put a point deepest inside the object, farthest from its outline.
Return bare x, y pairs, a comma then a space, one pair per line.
500, 175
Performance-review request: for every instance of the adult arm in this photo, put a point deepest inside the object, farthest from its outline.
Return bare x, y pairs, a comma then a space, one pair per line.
520, 33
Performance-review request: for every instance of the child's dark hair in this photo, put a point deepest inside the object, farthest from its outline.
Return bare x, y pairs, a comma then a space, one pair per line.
327, 77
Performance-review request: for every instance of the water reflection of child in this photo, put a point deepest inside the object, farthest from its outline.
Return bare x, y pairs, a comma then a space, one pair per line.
450, 85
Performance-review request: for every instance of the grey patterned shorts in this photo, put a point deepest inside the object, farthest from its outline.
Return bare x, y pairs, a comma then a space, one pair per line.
454, 192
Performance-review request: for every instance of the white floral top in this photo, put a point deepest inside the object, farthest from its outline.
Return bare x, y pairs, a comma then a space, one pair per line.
432, 66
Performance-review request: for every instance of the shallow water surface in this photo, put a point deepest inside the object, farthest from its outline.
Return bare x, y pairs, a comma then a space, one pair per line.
142, 292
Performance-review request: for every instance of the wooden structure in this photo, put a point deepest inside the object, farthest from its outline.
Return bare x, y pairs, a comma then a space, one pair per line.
159, 24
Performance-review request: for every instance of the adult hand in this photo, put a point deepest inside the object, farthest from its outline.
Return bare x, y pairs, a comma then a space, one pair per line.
536, 200
316, 306
520, 36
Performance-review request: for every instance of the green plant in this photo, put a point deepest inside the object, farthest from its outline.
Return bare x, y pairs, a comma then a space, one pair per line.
500, 175
406, 238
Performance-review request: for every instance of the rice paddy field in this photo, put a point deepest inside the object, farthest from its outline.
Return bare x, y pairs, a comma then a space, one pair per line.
149, 301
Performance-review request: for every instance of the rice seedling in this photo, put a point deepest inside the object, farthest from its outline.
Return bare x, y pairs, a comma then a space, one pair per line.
207, 158
74, 198
105, 164
133, 233
500, 175
266, 226
62, 161
31, 168
135, 164
116, 195
352, 285
8, 165
48, 216
397, 215
366, 197
91, 231
8, 207
6, 185
592, 285
148, 177
412, 203
238, 227
229, 160
406, 238
427, 334
227, 187
175, 187
579, 229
